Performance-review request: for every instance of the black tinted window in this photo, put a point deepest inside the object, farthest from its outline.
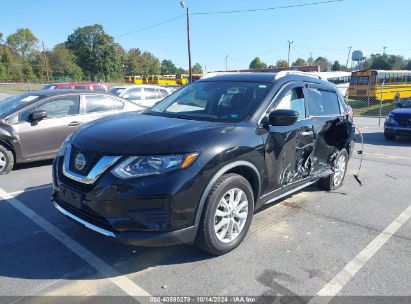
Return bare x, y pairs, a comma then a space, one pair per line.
293, 100
98, 103
322, 103
80, 87
99, 88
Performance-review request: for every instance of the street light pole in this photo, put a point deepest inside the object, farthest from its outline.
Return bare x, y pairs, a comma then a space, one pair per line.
190, 75
289, 50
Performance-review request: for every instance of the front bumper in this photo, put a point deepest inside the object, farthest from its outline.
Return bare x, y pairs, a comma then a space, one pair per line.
400, 131
148, 211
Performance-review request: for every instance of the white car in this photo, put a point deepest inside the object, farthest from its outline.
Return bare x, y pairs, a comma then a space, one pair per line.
142, 95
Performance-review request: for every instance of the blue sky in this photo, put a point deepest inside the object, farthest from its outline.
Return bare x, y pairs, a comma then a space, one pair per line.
324, 30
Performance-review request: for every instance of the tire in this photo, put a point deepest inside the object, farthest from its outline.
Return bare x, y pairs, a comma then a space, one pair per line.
389, 136
218, 243
336, 180
6, 160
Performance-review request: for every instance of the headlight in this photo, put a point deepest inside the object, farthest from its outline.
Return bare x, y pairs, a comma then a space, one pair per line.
63, 147
390, 120
137, 166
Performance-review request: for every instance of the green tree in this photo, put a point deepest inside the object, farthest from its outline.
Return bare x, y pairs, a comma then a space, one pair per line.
63, 65
336, 66
323, 63
168, 67
299, 62
381, 62
281, 63
133, 62
96, 52
150, 65
23, 42
408, 65
256, 63
197, 69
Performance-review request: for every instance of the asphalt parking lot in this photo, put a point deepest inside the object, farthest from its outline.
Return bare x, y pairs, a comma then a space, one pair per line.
355, 241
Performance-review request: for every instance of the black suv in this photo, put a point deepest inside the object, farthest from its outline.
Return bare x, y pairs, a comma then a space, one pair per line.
195, 167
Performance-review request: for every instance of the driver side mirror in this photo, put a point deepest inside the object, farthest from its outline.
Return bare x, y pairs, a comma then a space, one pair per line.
398, 104
36, 116
283, 117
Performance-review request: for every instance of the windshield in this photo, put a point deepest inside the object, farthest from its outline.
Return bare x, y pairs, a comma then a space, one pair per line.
407, 104
49, 87
15, 103
117, 91
214, 101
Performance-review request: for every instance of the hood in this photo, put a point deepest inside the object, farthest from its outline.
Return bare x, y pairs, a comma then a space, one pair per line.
401, 111
135, 134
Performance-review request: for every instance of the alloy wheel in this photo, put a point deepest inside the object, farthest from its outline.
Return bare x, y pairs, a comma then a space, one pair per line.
3, 161
340, 166
231, 215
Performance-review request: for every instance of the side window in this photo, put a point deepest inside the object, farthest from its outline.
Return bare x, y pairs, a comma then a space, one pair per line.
293, 100
67, 87
150, 93
98, 103
80, 87
59, 107
164, 93
134, 94
322, 103
99, 88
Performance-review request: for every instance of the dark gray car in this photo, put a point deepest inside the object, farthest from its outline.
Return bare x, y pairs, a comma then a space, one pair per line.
34, 125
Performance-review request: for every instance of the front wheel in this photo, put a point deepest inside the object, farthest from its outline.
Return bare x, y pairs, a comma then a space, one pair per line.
227, 215
6, 160
336, 179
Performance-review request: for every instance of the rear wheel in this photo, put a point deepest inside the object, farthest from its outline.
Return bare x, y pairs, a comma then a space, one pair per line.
336, 179
6, 160
226, 216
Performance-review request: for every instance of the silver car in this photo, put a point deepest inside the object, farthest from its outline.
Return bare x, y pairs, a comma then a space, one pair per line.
34, 125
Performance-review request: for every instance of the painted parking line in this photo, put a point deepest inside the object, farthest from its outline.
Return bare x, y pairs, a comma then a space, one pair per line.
128, 286
333, 287
386, 156
15, 193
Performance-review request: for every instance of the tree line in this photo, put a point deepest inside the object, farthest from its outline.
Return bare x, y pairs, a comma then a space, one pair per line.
89, 53
374, 62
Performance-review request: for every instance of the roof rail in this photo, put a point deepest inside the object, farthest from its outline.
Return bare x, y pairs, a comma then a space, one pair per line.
292, 72
213, 74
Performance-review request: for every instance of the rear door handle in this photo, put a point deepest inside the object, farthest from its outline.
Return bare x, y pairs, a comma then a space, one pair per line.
74, 124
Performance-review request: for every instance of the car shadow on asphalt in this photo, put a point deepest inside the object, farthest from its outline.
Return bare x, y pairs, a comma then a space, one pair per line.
30, 252
36, 164
378, 139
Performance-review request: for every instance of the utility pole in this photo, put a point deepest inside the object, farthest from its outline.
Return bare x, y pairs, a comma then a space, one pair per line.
226, 62
311, 59
45, 61
348, 57
384, 50
289, 50
190, 75
205, 69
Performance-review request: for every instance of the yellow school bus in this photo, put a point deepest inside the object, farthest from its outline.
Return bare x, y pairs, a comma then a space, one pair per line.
127, 79
181, 79
380, 85
164, 79
137, 80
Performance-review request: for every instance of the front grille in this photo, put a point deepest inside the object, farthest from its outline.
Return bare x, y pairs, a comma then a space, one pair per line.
92, 159
403, 120
87, 215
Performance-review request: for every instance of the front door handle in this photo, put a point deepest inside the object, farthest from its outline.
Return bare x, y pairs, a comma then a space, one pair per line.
74, 124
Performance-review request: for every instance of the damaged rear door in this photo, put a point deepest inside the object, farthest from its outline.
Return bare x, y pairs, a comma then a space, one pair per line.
331, 128
288, 148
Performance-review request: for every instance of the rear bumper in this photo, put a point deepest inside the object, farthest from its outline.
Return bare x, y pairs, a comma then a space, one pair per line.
137, 238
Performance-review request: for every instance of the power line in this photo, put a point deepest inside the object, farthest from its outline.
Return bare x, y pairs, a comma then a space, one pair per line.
229, 12
150, 26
